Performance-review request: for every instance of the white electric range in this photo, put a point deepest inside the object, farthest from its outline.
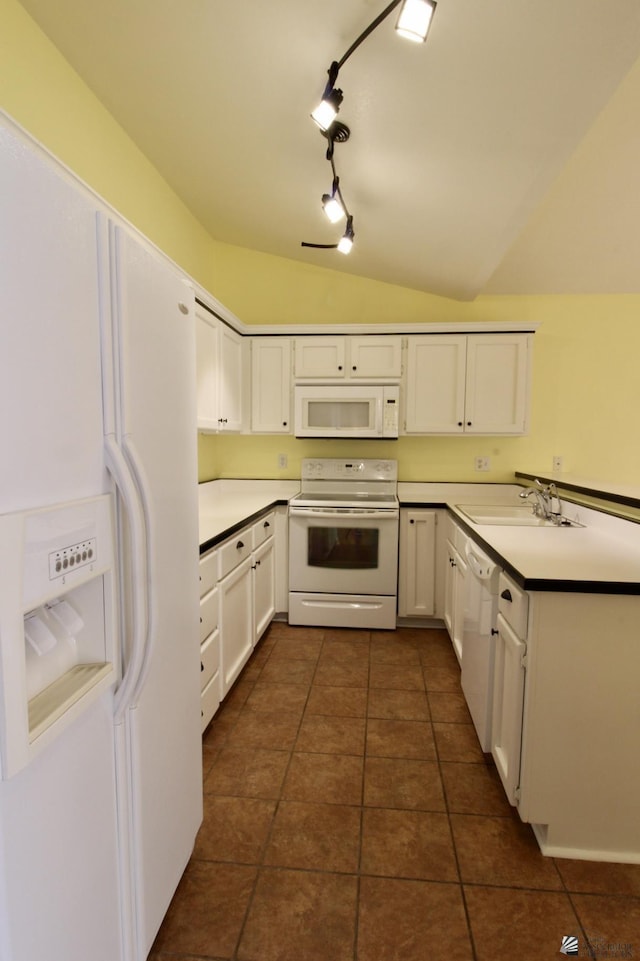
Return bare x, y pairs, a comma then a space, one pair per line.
343, 544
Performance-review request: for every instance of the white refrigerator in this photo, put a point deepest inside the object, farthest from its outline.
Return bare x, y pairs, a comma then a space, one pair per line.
100, 743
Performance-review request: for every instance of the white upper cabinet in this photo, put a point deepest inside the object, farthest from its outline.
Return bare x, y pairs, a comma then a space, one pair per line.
497, 383
369, 357
474, 384
219, 374
375, 358
435, 384
270, 385
206, 372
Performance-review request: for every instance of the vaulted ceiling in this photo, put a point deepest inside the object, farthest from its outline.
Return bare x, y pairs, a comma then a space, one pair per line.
502, 156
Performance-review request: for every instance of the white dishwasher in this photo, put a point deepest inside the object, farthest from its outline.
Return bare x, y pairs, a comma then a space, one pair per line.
478, 648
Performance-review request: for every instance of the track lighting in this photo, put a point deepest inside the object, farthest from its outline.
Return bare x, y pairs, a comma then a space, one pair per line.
327, 110
346, 241
415, 19
413, 24
332, 205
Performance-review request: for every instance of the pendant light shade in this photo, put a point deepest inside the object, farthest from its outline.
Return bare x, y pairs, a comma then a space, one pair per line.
415, 19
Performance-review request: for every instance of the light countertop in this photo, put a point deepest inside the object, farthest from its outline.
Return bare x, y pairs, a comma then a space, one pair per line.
603, 556
226, 505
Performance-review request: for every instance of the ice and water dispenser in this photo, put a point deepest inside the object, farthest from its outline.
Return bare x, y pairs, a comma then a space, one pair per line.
57, 622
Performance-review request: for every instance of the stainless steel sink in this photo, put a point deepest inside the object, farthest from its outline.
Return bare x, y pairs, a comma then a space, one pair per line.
512, 515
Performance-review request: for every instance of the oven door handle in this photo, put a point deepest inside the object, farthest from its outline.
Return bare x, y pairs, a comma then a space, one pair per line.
355, 512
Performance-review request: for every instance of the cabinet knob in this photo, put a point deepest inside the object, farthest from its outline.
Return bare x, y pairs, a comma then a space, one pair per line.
284, 423
459, 423
183, 308
494, 631
354, 367
412, 520
201, 667
266, 524
468, 423
239, 545
506, 594
339, 366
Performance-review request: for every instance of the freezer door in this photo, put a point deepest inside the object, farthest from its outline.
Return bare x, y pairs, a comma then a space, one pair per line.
154, 337
50, 384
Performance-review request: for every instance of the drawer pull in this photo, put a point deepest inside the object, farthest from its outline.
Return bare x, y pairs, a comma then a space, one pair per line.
239, 545
506, 594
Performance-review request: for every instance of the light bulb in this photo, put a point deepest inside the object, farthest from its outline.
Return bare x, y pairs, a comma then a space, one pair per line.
415, 19
332, 208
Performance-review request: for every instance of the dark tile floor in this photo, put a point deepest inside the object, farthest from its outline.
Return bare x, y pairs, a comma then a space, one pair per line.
350, 815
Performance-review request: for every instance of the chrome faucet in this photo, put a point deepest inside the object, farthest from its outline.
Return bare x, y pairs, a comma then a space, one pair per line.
544, 504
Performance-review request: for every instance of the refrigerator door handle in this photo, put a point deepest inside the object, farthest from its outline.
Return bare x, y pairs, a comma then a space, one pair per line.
143, 489
121, 473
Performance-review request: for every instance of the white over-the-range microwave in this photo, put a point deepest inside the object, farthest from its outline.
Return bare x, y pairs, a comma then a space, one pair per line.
346, 410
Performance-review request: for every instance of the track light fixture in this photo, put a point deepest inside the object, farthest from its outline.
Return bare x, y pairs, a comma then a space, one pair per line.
413, 23
331, 204
346, 241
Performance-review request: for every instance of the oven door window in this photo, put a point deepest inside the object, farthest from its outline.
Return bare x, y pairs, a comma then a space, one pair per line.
343, 548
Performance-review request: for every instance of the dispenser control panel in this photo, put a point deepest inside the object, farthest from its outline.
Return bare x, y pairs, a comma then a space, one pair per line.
74, 555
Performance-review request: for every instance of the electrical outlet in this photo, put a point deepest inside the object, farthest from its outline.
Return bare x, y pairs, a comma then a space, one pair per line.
557, 462
283, 461
482, 463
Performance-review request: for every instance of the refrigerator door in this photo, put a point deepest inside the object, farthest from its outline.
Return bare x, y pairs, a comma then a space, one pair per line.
50, 396
154, 350
59, 884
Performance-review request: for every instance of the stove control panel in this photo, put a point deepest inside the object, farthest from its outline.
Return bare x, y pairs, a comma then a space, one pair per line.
331, 468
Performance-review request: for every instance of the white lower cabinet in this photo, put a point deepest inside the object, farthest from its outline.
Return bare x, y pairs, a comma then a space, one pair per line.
508, 684
237, 604
210, 680
417, 563
236, 627
566, 720
264, 587
454, 590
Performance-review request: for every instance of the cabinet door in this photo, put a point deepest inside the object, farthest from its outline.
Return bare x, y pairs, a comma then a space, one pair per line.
320, 357
236, 625
229, 380
416, 585
508, 700
435, 384
270, 385
497, 383
454, 610
206, 373
264, 587
459, 592
374, 358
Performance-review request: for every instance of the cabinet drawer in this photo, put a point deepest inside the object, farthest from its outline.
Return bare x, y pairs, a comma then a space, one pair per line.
235, 551
263, 529
209, 658
513, 604
210, 699
208, 572
208, 613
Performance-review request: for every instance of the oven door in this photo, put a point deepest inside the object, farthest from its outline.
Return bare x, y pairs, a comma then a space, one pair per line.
343, 550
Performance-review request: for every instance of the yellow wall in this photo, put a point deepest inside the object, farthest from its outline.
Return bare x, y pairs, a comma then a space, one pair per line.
585, 391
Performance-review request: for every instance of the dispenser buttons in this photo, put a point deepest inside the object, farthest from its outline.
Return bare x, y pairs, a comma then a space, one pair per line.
72, 557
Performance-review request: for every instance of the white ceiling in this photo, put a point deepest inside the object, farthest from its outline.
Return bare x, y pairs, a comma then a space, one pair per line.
501, 156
